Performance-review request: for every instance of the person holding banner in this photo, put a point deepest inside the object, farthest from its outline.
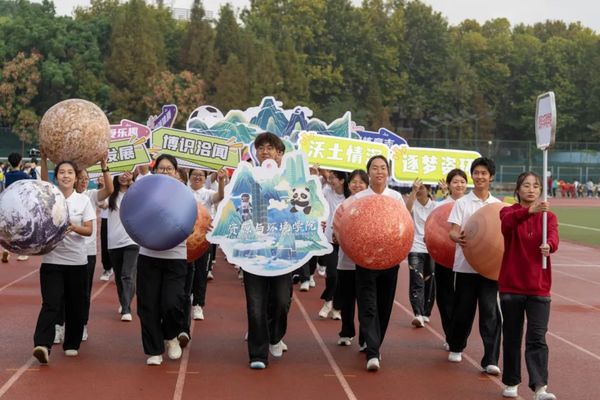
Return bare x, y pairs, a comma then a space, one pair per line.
161, 290
472, 289
524, 286
375, 289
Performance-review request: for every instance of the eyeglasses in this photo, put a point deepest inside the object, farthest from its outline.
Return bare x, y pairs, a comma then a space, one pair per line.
163, 170
197, 176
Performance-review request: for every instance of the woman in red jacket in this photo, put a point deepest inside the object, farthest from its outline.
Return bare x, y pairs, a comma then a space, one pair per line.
524, 286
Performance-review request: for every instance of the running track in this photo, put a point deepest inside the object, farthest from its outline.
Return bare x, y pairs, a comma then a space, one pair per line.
111, 364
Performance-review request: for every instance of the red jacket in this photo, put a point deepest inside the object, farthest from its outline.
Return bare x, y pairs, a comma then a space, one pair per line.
521, 270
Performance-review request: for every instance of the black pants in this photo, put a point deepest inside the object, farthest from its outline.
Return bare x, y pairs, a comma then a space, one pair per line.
375, 290
472, 290
307, 269
201, 268
346, 293
268, 301
331, 261
104, 245
444, 291
422, 283
514, 309
124, 263
213, 255
90, 268
160, 300
61, 284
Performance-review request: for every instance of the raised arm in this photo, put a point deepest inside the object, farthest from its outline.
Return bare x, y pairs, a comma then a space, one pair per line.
108, 182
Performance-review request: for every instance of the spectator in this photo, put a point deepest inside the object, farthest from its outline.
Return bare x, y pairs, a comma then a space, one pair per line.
590, 188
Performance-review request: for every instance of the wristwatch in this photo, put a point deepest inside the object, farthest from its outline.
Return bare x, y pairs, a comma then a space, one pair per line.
105, 169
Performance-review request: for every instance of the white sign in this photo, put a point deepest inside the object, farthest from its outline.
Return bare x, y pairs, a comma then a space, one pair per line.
545, 121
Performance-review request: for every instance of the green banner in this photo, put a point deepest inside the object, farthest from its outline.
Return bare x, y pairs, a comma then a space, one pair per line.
197, 150
123, 156
338, 153
429, 165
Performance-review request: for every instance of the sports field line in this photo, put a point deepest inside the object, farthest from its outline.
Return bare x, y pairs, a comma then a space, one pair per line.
579, 227
15, 377
183, 366
19, 279
577, 277
334, 366
576, 265
575, 301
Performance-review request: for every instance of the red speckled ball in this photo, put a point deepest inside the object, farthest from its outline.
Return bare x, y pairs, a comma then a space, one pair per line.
337, 217
485, 243
376, 231
439, 245
197, 244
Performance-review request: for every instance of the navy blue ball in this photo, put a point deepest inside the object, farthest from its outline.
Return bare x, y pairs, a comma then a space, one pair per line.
158, 212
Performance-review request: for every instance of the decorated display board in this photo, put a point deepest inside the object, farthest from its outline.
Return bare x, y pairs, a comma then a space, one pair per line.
269, 222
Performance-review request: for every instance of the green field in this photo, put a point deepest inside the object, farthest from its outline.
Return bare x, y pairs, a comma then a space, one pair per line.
582, 218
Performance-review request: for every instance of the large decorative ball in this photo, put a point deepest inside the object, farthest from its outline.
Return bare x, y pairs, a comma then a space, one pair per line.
197, 244
485, 243
33, 217
75, 130
437, 228
158, 212
376, 231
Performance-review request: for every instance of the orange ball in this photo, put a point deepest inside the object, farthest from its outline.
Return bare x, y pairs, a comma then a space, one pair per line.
485, 243
437, 228
376, 231
337, 218
196, 243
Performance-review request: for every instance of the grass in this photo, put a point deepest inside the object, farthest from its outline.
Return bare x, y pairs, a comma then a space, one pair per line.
582, 217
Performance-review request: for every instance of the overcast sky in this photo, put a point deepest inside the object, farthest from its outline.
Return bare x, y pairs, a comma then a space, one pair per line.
526, 11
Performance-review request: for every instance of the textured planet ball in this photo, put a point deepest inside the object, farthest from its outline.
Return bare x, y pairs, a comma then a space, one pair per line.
337, 218
33, 217
376, 231
75, 130
197, 244
158, 212
485, 243
439, 245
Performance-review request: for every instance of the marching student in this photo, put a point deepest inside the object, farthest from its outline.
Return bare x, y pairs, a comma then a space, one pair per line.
107, 270
473, 290
525, 286
63, 273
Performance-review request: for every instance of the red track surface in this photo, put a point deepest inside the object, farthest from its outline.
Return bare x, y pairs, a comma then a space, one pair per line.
111, 364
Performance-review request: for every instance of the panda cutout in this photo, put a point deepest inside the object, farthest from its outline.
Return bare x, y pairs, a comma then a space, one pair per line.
300, 200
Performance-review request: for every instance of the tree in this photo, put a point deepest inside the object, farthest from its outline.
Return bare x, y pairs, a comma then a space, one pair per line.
231, 86
228, 35
197, 50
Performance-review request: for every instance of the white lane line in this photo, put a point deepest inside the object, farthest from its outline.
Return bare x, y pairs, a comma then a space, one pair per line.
576, 265
19, 279
575, 301
15, 377
336, 369
576, 346
579, 227
577, 277
183, 366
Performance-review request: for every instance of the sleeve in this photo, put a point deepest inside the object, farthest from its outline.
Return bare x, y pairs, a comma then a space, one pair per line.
511, 217
552, 232
456, 215
89, 211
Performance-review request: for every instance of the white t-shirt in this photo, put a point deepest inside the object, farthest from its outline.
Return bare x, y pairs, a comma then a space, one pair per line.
460, 214
204, 196
387, 192
334, 200
72, 249
140, 176
103, 211
117, 237
420, 214
90, 241
178, 252
344, 262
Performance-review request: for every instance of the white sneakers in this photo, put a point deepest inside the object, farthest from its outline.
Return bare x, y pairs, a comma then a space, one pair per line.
41, 354
59, 333
311, 282
344, 341
454, 357
173, 349
258, 365
126, 317
22, 258
277, 349
210, 276
511, 391
106, 275
304, 286
418, 322
197, 313
154, 360
492, 370
373, 364
542, 394
183, 338
84, 336
326, 309
336, 314
71, 353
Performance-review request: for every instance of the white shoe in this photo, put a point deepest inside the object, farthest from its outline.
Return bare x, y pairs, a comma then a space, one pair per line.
311, 281
22, 258
106, 275
120, 311
183, 338
336, 314
325, 310
511, 391
126, 317
154, 360
173, 349
84, 336
71, 353
240, 274
304, 286
373, 364
542, 394
321, 270
418, 322
492, 370
257, 365
362, 348
210, 276
277, 349
446, 346
246, 336
59, 333
41, 354
454, 357
197, 313
425, 319
344, 341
